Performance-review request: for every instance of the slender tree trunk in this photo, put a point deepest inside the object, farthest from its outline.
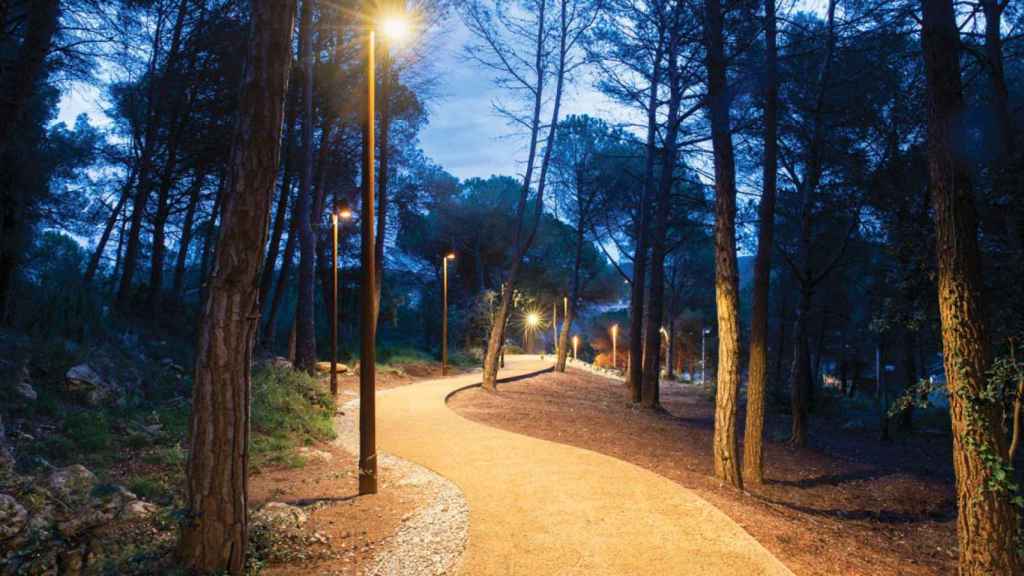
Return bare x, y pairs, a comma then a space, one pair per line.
186, 238
283, 276
573, 298
757, 365
97, 255
383, 173
727, 298
800, 375
305, 328
281, 212
987, 522
214, 535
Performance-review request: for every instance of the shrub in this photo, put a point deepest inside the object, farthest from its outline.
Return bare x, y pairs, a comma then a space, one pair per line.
90, 431
289, 409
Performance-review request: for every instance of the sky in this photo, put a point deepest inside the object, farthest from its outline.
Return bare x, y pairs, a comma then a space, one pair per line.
464, 134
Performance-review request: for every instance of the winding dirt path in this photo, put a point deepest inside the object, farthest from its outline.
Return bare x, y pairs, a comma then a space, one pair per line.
541, 508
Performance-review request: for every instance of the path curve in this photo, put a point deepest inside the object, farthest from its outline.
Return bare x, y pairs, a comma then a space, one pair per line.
542, 508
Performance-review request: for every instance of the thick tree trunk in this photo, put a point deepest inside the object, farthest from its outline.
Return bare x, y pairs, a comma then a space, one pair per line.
215, 533
305, 328
757, 365
727, 297
19, 83
987, 522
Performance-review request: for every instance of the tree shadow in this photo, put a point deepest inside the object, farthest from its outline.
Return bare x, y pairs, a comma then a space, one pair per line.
833, 479
945, 512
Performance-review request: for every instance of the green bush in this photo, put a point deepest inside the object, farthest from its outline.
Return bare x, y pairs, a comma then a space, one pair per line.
289, 409
395, 355
90, 431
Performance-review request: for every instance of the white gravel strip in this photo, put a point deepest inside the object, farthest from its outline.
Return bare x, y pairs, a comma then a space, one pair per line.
431, 540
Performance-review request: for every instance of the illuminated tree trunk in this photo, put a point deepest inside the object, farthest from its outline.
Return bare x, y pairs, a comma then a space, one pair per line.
987, 522
757, 366
215, 529
727, 298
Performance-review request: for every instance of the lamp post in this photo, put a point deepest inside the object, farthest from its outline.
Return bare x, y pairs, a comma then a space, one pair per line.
703, 365
532, 321
664, 333
615, 346
394, 28
575, 346
444, 314
343, 213
554, 327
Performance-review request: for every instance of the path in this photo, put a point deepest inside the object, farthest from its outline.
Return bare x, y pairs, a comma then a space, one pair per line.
540, 508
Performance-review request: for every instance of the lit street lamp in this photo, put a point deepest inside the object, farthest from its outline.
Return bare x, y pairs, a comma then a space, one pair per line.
343, 213
444, 315
554, 327
575, 346
615, 346
392, 27
532, 321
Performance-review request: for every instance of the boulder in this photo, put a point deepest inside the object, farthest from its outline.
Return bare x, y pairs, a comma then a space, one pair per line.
325, 367
85, 383
279, 516
23, 388
73, 482
101, 509
138, 510
13, 517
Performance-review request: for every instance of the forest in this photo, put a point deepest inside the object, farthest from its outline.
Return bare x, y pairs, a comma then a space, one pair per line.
511, 287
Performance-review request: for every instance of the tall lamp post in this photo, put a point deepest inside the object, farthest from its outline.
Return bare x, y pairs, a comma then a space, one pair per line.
575, 346
532, 321
615, 346
394, 28
444, 314
343, 213
703, 364
554, 327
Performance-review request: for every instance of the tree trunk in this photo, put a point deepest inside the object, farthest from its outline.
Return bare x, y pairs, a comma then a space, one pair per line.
987, 522
799, 380
727, 298
186, 237
18, 85
383, 173
215, 532
757, 366
305, 327
97, 255
281, 212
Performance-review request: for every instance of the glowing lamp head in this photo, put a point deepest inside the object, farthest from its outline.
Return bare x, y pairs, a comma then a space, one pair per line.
450, 256
394, 27
344, 214
532, 319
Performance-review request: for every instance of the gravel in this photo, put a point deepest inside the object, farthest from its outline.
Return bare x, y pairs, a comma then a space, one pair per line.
431, 540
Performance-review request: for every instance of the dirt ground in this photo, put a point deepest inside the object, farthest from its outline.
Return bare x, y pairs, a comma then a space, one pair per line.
847, 505
344, 530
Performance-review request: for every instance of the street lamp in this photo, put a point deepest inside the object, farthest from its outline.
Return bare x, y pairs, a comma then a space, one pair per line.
554, 327
343, 213
615, 346
444, 314
393, 27
532, 321
575, 346
703, 364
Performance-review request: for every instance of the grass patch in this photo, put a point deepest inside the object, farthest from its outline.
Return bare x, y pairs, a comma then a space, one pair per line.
90, 431
289, 409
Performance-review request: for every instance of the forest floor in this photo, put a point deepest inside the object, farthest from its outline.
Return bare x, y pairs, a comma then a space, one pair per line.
847, 505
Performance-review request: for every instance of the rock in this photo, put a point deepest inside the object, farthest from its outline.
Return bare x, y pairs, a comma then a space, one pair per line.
99, 510
13, 517
280, 362
169, 364
71, 482
88, 385
138, 510
325, 367
279, 516
23, 387
314, 454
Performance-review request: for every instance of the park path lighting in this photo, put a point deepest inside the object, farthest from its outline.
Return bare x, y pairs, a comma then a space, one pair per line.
444, 314
532, 321
342, 213
575, 346
394, 27
664, 333
615, 346
703, 346
554, 326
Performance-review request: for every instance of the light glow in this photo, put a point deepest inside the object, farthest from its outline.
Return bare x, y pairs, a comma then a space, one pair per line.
394, 27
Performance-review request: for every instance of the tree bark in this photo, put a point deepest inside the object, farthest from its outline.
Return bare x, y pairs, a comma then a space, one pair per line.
215, 532
757, 364
799, 380
305, 327
727, 298
18, 85
987, 522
